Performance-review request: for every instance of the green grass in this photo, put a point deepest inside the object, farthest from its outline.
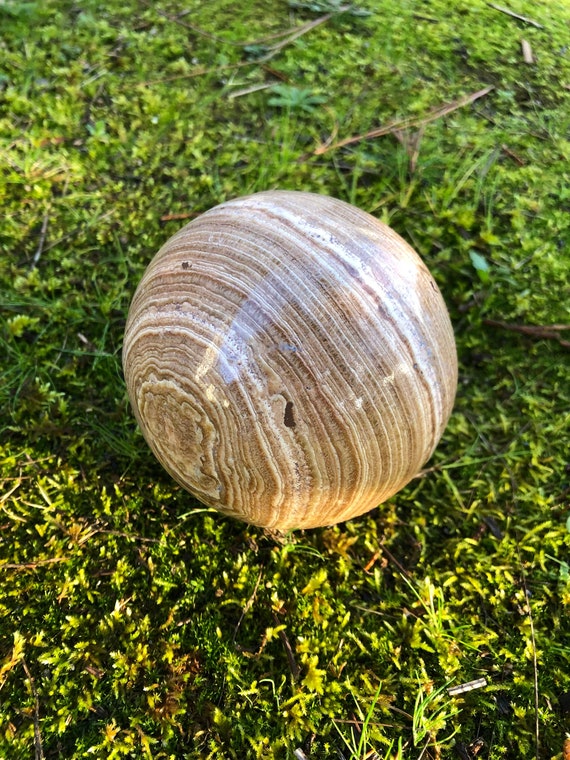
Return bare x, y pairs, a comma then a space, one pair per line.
136, 623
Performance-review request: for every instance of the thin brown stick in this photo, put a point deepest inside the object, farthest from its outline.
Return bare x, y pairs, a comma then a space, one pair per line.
534, 656
540, 332
393, 559
272, 51
528, 610
278, 46
248, 604
371, 562
426, 745
39, 752
411, 143
407, 123
285, 37
78, 230
122, 534
178, 20
203, 70
15, 487
249, 90
423, 17
291, 32
43, 233
293, 667
515, 15
31, 565
199, 71
517, 159
355, 722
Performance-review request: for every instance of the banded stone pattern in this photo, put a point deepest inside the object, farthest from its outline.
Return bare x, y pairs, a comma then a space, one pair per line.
290, 360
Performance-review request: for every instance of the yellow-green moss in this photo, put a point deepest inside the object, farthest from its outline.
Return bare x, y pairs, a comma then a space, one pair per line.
135, 623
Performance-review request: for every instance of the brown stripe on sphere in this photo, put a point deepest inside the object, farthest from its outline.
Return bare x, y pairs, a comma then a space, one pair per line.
290, 360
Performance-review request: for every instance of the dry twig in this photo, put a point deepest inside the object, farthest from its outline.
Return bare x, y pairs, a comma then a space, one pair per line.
541, 332
407, 123
534, 655
423, 17
248, 604
285, 37
272, 50
31, 565
249, 90
292, 32
81, 228
411, 143
43, 233
507, 151
293, 667
296, 33
515, 15
372, 561
393, 559
39, 752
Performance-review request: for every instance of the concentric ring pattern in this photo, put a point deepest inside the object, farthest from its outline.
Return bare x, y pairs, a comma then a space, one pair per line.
290, 360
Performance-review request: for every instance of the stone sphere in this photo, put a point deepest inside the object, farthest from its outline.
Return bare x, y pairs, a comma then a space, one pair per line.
290, 360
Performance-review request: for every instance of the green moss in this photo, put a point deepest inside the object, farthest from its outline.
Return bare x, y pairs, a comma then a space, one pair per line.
133, 621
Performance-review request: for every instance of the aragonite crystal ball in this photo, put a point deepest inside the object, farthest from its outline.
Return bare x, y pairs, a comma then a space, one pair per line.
290, 360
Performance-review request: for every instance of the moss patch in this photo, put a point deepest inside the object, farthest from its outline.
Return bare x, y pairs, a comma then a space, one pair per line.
136, 623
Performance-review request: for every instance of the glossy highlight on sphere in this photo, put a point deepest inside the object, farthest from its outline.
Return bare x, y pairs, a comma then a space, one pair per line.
290, 360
